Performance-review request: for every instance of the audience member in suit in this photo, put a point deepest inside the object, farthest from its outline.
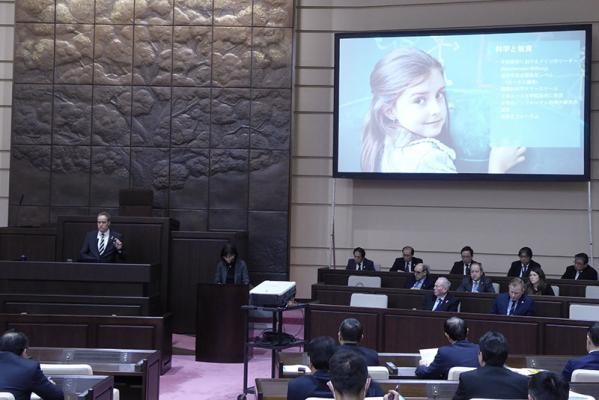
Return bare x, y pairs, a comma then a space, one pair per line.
521, 267
476, 282
231, 268
492, 379
537, 283
320, 350
459, 353
20, 375
462, 267
420, 278
103, 245
407, 262
350, 335
515, 302
589, 361
359, 262
581, 269
441, 300
547, 385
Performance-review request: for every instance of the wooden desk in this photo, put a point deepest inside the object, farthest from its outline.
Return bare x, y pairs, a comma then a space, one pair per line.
88, 387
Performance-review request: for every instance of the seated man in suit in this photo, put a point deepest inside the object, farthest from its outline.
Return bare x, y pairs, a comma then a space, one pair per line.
440, 300
420, 279
459, 353
515, 302
20, 375
547, 385
462, 267
581, 269
521, 267
103, 245
320, 350
350, 335
492, 379
476, 282
591, 360
407, 262
359, 262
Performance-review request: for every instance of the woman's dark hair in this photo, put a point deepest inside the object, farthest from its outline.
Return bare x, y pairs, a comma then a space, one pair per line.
493, 348
542, 280
229, 249
547, 385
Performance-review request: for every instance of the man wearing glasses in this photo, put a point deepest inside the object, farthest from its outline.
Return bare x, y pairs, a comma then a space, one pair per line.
420, 279
103, 245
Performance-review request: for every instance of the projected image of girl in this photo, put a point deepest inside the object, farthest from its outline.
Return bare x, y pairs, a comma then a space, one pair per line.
408, 119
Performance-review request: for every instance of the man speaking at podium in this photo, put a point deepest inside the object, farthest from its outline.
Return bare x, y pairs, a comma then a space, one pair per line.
103, 245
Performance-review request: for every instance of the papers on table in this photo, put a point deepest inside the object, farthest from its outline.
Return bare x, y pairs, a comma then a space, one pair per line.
427, 356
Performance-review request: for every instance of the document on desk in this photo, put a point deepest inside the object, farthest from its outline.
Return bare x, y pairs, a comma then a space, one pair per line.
427, 356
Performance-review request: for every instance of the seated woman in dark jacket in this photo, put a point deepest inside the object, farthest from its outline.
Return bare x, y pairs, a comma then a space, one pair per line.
537, 283
231, 268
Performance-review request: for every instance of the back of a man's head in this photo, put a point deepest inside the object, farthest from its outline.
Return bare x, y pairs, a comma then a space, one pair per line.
493, 348
349, 374
351, 330
14, 342
593, 334
320, 350
456, 329
547, 385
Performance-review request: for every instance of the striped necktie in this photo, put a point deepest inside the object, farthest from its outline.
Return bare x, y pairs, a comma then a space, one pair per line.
101, 244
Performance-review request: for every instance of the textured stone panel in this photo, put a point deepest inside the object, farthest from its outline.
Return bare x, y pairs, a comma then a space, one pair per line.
113, 55
34, 10
269, 180
34, 53
268, 235
273, 13
193, 12
74, 54
231, 13
226, 220
230, 118
30, 175
112, 115
271, 119
189, 178
231, 57
154, 12
151, 116
72, 115
153, 55
191, 220
192, 47
272, 57
114, 11
149, 170
75, 11
70, 175
28, 215
32, 115
109, 174
190, 122
228, 179
66, 211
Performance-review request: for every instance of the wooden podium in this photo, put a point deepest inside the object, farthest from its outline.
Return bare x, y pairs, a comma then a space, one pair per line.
221, 323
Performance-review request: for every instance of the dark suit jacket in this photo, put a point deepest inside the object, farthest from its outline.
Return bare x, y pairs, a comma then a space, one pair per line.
368, 265
525, 306
428, 283
492, 382
459, 354
589, 273
315, 385
517, 266
458, 268
590, 361
241, 273
449, 303
370, 355
400, 264
21, 377
485, 285
89, 250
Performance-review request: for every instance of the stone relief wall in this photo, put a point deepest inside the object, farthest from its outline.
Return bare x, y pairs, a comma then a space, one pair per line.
191, 98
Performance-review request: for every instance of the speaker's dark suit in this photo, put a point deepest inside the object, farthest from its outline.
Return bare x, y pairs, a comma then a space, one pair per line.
371, 356
315, 385
428, 283
460, 354
458, 268
449, 303
241, 273
400, 264
517, 266
492, 382
524, 306
89, 250
589, 273
21, 377
485, 285
590, 361
368, 265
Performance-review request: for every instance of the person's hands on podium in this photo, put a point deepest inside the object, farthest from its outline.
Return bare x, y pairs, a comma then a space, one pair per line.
118, 244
